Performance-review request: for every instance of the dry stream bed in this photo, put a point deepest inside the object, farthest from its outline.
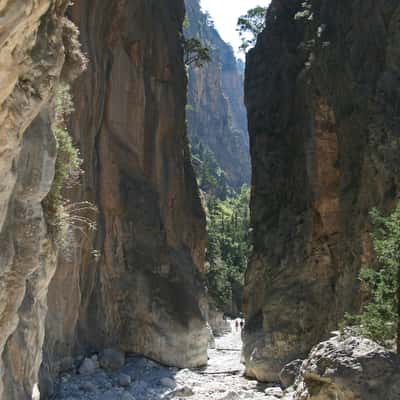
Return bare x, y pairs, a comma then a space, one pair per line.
143, 379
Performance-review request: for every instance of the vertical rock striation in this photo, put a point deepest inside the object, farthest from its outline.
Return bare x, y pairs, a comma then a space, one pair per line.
322, 94
137, 283
33, 262
216, 115
32, 54
142, 291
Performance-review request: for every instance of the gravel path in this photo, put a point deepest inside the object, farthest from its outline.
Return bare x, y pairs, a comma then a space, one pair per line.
143, 379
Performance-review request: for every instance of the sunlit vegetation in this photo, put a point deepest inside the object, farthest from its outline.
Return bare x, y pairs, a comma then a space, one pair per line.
250, 25
228, 244
379, 317
61, 214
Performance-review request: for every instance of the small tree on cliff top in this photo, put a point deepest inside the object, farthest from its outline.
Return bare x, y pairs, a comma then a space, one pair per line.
250, 25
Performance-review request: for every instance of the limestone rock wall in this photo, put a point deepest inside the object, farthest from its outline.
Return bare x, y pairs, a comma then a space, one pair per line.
32, 54
322, 94
141, 291
136, 283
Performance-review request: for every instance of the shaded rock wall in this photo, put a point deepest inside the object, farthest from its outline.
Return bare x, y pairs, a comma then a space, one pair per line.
32, 55
217, 117
142, 290
322, 99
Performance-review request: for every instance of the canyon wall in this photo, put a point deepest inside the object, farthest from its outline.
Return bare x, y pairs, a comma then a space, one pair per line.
136, 284
216, 114
33, 51
322, 94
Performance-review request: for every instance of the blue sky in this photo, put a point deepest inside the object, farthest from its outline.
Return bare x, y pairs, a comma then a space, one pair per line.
225, 14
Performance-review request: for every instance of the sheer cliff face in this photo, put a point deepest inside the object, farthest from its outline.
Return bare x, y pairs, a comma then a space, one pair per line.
136, 283
217, 116
142, 292
322, 98
32, 56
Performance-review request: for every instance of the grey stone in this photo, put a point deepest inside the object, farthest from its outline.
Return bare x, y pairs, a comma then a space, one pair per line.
274, 392
66, 364
349, 368
124, 380
127, 396
88, 386
183, 391
112, 359
110, 395
88, 367
289, 372
230, 396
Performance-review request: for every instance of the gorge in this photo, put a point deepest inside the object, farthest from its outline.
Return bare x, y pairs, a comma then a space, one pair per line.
321, 92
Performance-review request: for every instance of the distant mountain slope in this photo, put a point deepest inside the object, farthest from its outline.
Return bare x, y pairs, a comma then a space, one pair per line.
216, 115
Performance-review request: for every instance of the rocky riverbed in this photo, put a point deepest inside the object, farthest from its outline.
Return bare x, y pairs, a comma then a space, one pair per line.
344, 366
142, 379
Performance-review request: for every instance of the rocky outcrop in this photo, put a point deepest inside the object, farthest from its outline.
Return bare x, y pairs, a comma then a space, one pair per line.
136, 284
216, 114
322, 99
32, 52
348, 368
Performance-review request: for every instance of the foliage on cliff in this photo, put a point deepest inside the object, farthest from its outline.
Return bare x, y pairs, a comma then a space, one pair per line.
61, 215
228, 244
210, 176
379, 319
250, 25
195, 53
68, 162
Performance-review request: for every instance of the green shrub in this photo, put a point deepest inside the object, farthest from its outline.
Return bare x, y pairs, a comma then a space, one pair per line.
250, 25
61, 214
379, 317
195, 53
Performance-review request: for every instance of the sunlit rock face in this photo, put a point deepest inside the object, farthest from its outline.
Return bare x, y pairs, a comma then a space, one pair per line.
322, 99
136, 284
32, 54
348, 368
